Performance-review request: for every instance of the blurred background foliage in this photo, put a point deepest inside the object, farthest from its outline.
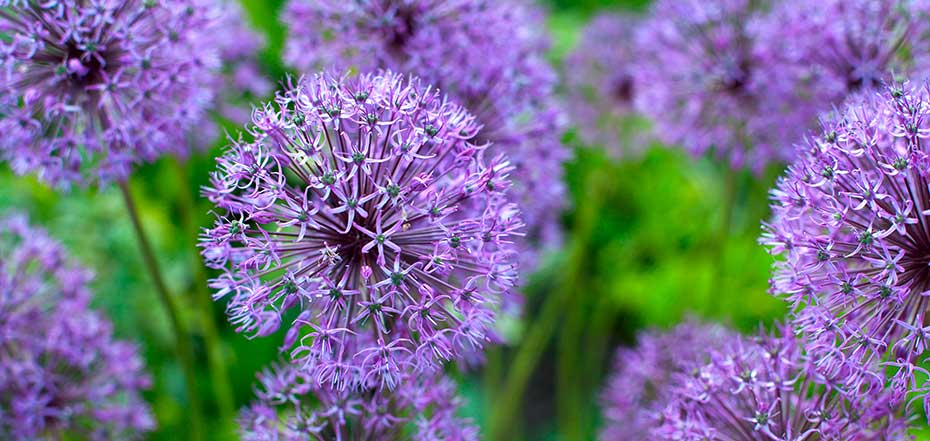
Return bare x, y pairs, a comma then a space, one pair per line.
647, 243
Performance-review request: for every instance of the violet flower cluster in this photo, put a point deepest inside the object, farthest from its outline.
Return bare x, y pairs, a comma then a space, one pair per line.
850, 222
362, 206
291, 406
601, 86
92, 88
640, 386
767, 388
747, 79
703, 382
488, 55
831, 49
700, 76
825, 52
62, 374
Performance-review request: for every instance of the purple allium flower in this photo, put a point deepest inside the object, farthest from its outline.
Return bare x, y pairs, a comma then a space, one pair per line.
488, 55
838, 47
702, 74
292, 407
766, 388
62, 375
92, 88
640, 386
601, 86
239, 46
851, 224
362, 206
828, 50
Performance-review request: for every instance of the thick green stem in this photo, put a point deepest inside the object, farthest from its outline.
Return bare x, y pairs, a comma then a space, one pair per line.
546, 322
222, 387
182, 344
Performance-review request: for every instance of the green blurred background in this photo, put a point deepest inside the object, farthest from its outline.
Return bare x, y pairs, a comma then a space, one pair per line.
643, 242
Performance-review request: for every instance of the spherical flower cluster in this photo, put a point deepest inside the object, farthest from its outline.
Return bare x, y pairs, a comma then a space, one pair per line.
362, 206
746, 82
766, 388
292, 407
827, 51
850, 222
601, 86
239, 46
835, 48
701, 77
640, 387
91, 88
488, 55
62, 375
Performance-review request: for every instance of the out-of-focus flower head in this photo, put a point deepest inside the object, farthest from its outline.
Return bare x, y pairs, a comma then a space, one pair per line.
362, 206
701, 76
641, 384
92, 88
601, 87
291, 406
836, 48
488, 55
850, 223
767, 388
827, 51
62, 375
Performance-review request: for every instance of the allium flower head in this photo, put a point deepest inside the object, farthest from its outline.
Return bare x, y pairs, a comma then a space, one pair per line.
641, 385
828, 50
292, 407
701, 75
850, 222
765, 388
362, 206
62, 375
91, 88
841, 47
601, 86
488, 55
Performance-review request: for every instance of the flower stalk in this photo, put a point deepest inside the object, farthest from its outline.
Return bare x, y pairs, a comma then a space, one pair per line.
179, 329
540, 331
219, 374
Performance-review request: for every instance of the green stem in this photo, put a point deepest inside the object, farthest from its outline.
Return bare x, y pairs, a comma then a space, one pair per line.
569, 406
524, 363
492, 377
542, 328
598, 338
723, 235
729, 202
222, 387
184, 351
